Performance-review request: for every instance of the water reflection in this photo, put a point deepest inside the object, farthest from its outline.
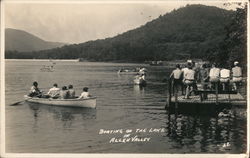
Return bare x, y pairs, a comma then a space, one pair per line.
139, 90
207, 133
65, 114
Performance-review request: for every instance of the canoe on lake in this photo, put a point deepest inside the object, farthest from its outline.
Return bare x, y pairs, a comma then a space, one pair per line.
127, 72
85, 103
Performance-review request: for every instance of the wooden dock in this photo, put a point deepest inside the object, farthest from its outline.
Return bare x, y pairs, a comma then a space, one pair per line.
232, 99
214, 96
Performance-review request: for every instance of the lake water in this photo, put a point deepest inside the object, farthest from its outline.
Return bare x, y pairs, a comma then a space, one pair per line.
121, 105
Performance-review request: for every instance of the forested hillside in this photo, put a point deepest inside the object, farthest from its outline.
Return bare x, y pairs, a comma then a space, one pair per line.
194, 31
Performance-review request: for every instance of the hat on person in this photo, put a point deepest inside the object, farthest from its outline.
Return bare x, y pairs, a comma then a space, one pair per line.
236, 63
189, 61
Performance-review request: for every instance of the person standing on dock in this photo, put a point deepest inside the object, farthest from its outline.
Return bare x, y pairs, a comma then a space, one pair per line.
189, 80
214, 76
224, 78
184, 70
203, 78
237, 75
176, 77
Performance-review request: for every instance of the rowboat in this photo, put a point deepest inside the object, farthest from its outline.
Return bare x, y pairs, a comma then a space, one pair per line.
47, 69
127, 73
140, 81
85, 103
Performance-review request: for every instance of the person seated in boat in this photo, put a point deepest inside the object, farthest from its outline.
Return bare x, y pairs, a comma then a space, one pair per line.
85, 93
214, 76
143, 71
71, 92
35, 91
64, 93
189, 80
176, 78
224, 78
54, 92
237, 75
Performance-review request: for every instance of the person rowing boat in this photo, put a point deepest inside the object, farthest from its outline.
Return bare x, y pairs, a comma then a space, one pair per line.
35, 91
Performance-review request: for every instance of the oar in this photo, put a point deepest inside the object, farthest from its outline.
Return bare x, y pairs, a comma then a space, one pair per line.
17, 103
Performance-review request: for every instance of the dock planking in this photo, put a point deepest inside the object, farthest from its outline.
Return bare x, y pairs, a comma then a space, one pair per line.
233, 99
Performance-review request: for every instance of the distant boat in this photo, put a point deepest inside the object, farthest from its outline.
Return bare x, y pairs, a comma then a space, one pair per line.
156, 63
127, 72
84, 103
82, 60
47, 68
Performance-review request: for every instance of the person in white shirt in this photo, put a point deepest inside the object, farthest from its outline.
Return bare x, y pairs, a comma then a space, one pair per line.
184, 70
54, 92
189, 80
84, 94
214, 75
224, 77
237, 75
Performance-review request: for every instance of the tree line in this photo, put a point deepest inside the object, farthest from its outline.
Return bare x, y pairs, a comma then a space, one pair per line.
196, 31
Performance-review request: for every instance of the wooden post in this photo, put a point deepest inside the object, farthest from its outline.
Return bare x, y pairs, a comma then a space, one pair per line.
176, 99
170, 92
228, 91
216, 92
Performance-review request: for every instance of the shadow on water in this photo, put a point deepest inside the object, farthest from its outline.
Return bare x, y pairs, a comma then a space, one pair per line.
218, 129
199, 109
63, 113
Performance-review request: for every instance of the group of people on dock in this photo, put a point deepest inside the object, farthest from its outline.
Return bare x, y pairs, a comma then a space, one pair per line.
208, 77
57, 93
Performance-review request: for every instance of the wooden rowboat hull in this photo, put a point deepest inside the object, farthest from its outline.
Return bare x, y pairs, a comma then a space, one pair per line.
127, 73
85, 103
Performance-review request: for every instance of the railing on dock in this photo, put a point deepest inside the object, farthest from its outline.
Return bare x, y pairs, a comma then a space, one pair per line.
202, 96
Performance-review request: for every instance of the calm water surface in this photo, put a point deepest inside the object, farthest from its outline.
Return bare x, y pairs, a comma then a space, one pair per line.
33, 128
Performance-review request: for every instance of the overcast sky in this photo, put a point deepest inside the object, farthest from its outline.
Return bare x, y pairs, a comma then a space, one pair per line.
81, 22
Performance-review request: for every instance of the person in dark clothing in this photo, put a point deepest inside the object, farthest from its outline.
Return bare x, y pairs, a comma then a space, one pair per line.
35, 91
203, 78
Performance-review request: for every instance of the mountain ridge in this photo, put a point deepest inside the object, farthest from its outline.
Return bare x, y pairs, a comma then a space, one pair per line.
193, 30
23, 41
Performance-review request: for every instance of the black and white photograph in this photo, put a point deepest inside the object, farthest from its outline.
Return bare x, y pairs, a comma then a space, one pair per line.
124, 77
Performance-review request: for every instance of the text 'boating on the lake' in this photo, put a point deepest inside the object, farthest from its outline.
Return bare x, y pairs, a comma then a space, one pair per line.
131, 135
